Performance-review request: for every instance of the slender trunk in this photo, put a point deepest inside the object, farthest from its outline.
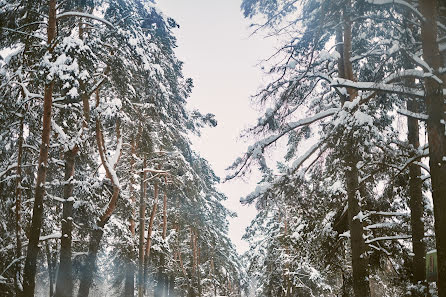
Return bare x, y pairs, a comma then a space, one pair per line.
142, 211
18, 207
359, 257
97, 232
152, 219
416, 207
161, 286
49, 260
436, 133
64, 284
29, 281
198, 269
149, 232
129, 287
361, 285
90, 263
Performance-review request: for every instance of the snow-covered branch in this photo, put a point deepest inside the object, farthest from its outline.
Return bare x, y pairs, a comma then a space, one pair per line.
415, 115
256, 150
84, 15
379, 87
396, 237
400, 2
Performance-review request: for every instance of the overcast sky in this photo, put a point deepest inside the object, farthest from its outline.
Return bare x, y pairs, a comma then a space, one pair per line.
222, 58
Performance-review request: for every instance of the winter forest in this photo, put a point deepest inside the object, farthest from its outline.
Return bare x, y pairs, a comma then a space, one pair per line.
103, 194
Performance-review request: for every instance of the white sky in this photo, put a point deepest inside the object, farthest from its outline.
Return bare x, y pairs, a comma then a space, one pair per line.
222, 58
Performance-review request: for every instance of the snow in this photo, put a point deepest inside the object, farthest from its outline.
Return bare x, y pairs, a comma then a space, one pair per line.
360, 216
84, 15
400, 2
51, 236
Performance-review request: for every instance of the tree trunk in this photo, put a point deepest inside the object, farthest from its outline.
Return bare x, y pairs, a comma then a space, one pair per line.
361, 285
129, 287
18, 207
359, 257
162, 283
90, 263
149, 232
64, 284
416, 206
98, 231
142, 211
436, 133
29, 275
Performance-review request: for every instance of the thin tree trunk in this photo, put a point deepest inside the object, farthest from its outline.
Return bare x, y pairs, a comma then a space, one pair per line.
90, 263
436, 133
129, 287
142, 212
149, 232
36, 224
361, 285
64, 284
98, 232
51, 267
416, 207
18, 207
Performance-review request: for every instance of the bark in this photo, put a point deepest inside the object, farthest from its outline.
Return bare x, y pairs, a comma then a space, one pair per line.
361, 285
162, 279
129, 287
416, 206
64, 285
90, 263
142, 211
436, 133
152, 219
36, 224
149, 232
51, 262
97, 232
18, 207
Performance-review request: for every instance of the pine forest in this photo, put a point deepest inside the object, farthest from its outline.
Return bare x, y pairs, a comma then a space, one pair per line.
103, 192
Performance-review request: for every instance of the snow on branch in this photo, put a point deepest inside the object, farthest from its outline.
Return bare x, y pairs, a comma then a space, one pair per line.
55, 235
414, 115
388, 238
84, 15
400, 2
304, 157
380, 87
389, 214
256, 151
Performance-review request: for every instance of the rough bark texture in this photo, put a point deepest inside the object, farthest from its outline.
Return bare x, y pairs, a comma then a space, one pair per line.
129, 285
149, 232
90, 263
361, 285
416, 205
50, 268
436, 134
18, 208
98, 232
162, 278
359, 257
36, 224
142, 211
64, 284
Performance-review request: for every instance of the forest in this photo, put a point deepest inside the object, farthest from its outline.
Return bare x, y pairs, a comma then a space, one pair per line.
102, 194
